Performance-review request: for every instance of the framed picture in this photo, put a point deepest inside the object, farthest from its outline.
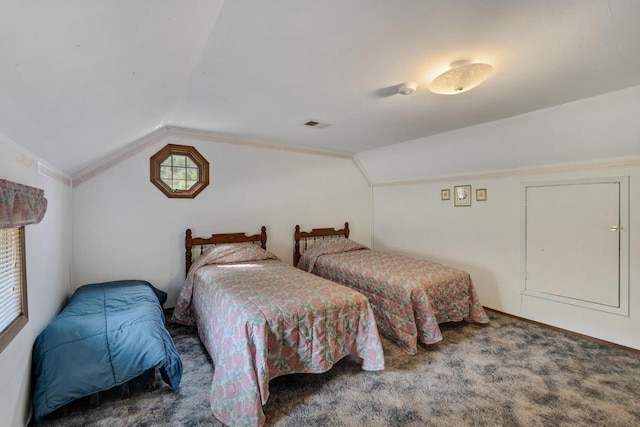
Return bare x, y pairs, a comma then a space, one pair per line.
481, 194
462, 195
444, 194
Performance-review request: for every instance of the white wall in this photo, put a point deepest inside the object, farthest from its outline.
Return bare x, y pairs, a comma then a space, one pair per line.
48, 258
571, 141
124, 227
594, 128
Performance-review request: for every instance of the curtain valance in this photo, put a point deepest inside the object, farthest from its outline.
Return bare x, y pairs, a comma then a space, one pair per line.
20, 204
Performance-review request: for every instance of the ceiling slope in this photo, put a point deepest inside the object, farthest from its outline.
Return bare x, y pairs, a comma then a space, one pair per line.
82, 80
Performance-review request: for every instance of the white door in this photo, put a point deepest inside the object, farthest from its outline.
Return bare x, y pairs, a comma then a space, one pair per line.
573, 243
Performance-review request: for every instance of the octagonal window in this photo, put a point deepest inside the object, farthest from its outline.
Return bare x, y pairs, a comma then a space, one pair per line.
179, 171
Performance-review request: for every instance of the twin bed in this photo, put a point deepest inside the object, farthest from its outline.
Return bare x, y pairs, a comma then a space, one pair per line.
260, 318
409, 296
106, 335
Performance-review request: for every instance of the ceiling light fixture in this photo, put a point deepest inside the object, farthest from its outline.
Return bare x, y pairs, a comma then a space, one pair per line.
462, 76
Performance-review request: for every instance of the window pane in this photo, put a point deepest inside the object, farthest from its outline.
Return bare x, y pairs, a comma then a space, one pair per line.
191, 163
179, 184
165, 172
178, 173
179, 160
192, 174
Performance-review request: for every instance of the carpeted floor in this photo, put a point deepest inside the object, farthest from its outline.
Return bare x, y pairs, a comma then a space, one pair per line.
506, 373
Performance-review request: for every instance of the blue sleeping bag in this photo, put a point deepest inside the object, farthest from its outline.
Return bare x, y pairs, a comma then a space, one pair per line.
107, 334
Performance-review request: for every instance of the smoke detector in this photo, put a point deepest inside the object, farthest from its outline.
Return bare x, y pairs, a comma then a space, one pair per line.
407, 88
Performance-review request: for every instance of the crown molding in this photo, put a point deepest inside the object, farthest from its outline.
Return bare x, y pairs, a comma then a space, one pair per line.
621, 162
361, 169
123, 154
207, 136
53, 173
179, 133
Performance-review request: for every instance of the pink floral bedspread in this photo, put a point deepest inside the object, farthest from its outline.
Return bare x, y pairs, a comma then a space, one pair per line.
409, 296
262, 319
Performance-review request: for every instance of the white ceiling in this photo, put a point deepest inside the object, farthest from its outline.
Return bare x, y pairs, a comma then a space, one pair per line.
81, 80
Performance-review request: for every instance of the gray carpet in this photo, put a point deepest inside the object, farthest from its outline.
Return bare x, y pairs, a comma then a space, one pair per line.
506, 373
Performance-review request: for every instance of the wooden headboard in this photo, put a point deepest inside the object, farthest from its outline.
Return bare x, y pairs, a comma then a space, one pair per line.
313, 235
216, 239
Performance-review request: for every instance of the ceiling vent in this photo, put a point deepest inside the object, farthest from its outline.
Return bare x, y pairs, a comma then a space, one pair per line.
317, 125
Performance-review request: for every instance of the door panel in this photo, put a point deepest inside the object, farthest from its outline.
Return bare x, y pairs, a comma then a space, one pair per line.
570, 252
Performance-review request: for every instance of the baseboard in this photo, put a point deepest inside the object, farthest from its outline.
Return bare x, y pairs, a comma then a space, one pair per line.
555, 328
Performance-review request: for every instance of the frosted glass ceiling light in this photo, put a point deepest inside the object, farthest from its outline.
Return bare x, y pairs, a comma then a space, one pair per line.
462, 76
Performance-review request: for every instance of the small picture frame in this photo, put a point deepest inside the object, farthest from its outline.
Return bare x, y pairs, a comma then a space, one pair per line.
481, 194
445, 194
462, 195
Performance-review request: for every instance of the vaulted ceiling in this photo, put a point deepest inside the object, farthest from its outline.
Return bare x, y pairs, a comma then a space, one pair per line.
81, 80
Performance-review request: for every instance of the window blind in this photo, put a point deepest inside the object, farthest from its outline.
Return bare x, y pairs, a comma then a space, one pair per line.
11, 277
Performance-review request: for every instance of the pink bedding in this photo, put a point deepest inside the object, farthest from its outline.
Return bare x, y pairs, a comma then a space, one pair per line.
261, 318
409, 296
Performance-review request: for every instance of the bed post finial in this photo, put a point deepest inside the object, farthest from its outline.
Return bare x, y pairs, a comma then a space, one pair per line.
296, 248
346, 230
263, 237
